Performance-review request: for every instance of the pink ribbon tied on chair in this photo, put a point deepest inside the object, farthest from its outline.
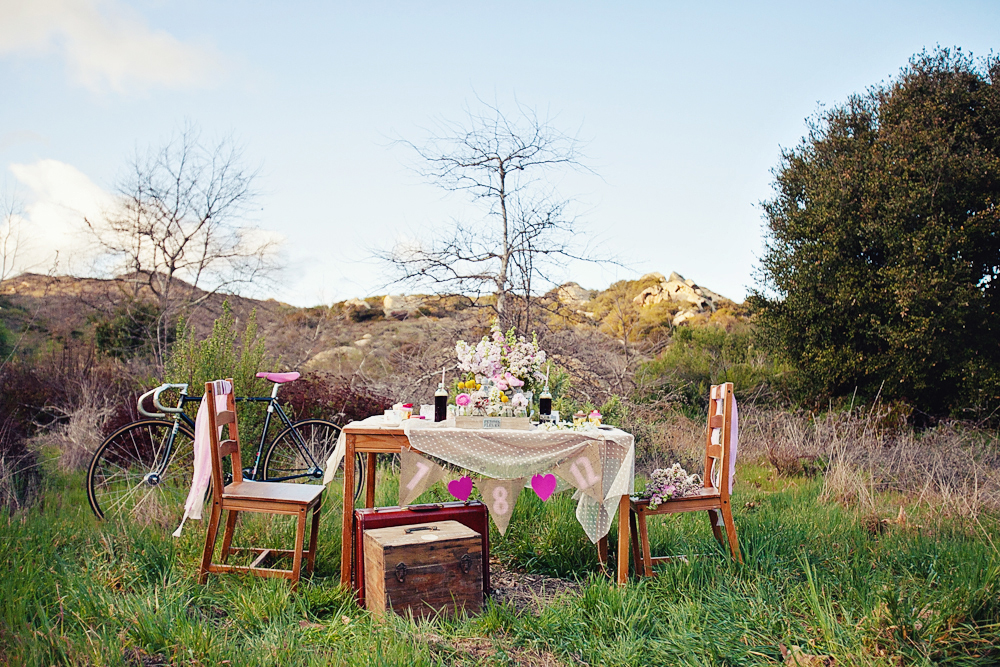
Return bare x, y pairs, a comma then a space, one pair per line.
202, 476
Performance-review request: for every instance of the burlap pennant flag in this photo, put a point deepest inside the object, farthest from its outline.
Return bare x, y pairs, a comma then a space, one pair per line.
500, 496
584, 471
416, 474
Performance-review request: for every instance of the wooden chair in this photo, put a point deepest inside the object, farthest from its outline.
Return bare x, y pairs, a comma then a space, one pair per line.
249, 496
713, 497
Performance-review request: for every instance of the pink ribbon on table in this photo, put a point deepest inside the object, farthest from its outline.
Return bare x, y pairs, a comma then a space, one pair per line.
202, 476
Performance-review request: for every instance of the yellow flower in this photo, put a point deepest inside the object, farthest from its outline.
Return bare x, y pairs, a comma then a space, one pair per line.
503, 398
478, 386
461, 385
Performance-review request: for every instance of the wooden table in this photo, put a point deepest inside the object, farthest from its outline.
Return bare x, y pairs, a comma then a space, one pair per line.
372, 441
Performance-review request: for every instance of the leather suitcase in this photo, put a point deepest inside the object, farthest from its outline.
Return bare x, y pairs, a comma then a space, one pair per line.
472, 514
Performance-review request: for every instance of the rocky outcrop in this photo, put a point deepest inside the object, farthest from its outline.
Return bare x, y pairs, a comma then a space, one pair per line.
694, 298
572, 294
401, 306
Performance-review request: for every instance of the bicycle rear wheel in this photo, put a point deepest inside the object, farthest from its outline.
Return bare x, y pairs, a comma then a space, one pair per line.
285, 460
128, 479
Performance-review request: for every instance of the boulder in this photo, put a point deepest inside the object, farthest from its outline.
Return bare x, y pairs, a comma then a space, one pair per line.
394, 303
572, 294
331, 359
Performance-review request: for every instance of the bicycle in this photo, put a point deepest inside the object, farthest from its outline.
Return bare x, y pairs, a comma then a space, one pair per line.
144, 469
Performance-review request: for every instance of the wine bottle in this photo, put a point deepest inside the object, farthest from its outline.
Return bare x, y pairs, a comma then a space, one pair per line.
440, 403
545, 403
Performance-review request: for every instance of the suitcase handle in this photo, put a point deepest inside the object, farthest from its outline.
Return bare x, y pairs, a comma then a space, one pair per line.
418, 528
429, 507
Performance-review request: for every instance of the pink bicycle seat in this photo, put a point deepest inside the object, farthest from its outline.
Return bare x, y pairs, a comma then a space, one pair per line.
279, 378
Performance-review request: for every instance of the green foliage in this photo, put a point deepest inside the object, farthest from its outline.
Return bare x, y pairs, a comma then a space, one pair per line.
699, 357
227, 352
882, 267
129, 332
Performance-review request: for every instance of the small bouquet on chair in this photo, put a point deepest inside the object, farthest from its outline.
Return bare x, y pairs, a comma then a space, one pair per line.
672, 482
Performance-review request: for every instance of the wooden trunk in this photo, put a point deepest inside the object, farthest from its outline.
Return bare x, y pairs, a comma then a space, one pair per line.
424, 569
472, 514
487, 423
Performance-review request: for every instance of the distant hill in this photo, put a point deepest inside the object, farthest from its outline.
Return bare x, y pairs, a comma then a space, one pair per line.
397, 338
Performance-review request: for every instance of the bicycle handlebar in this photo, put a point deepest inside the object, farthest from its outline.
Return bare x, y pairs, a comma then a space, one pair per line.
156, 400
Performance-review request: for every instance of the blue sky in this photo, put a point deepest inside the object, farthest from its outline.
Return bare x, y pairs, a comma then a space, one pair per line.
683, 107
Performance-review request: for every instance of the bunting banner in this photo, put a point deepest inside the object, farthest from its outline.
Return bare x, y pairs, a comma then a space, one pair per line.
416, 475
500, 496
583, 470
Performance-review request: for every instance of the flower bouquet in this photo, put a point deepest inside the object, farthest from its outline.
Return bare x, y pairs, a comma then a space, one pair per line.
672, 482
499, 372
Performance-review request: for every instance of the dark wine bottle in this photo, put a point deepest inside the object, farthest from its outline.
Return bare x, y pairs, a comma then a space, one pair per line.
545, 403
440, 404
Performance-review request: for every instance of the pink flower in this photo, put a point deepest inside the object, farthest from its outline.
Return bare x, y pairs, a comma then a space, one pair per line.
463, 400
500, 382
595, 414
513, 381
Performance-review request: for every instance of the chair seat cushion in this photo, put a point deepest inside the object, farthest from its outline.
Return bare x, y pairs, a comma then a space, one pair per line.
278, 492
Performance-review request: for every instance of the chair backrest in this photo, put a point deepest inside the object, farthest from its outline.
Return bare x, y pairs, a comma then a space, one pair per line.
218, 418
719, 439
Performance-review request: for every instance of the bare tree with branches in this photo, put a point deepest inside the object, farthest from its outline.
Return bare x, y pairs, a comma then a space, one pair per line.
181, 223
502, 162
10, 234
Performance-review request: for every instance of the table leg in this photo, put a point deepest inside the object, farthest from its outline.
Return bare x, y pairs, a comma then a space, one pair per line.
602, 551
370, 481
623, 539
347, 536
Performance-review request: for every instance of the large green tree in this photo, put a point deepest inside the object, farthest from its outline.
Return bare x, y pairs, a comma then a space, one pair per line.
882, 257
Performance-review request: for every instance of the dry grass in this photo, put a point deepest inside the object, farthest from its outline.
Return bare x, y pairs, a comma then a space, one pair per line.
952, 467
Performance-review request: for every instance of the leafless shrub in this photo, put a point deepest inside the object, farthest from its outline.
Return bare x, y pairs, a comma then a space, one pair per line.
73, 439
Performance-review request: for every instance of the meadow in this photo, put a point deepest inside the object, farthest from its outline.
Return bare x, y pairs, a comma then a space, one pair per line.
858, 581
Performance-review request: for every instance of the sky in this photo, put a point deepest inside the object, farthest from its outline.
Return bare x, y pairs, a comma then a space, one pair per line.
682, 110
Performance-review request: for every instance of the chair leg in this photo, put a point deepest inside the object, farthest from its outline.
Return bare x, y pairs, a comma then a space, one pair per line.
734, 545
647, 557
313, 539
300, 535
636, 554
227, 537
602, 551
713, 518
213, 532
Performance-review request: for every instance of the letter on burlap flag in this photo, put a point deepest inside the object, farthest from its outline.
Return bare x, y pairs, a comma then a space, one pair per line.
584, 471
416, 474
500, 496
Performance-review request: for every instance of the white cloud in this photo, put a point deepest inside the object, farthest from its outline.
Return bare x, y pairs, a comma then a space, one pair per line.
50, 227
104, 43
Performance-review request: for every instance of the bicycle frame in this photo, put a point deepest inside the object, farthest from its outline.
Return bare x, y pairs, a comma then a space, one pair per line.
272, 406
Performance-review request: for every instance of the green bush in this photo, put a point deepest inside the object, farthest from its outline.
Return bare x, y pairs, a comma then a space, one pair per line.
129, 332
699, 357
227, 352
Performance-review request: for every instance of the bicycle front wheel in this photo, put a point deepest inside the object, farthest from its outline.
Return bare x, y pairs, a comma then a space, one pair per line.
300, 452
142, 472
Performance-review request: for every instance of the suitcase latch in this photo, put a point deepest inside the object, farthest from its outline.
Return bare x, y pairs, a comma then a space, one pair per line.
465, 562
417, 528
401, 572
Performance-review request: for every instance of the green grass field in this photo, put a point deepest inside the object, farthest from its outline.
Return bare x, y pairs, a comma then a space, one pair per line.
817, 575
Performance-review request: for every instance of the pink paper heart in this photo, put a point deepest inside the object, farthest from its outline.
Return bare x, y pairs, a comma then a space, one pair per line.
461, 488
544, 485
